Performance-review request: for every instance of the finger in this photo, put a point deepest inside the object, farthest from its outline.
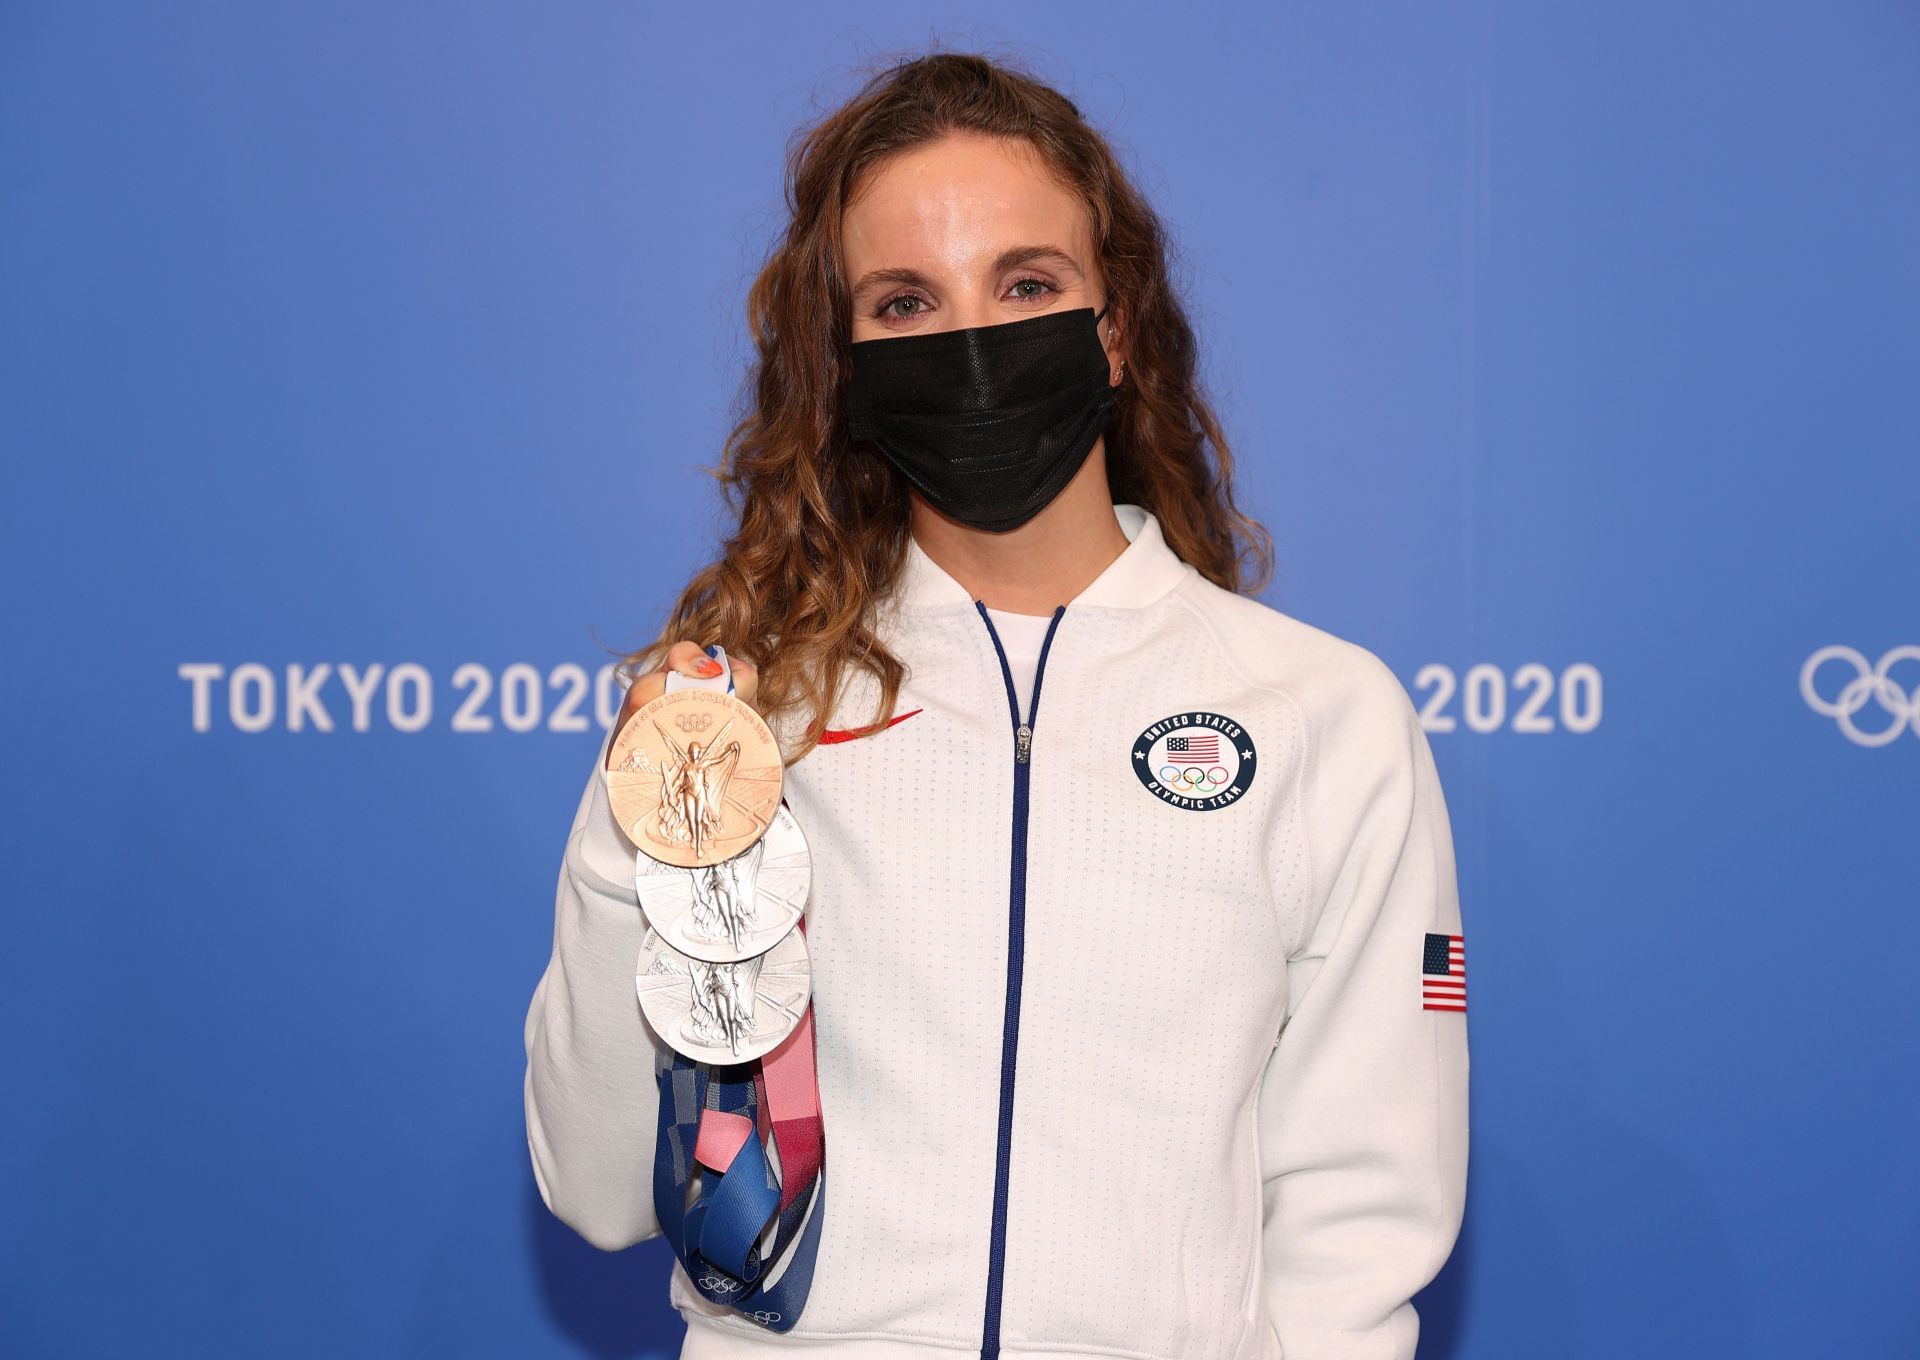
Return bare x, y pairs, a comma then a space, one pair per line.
683, 657
691, 659
746, 679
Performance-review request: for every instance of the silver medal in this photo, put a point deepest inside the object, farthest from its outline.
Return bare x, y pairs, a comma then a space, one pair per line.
734, 909
723, 1012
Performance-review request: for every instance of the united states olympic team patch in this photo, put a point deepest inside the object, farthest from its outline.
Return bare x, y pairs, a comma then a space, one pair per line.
1197, 760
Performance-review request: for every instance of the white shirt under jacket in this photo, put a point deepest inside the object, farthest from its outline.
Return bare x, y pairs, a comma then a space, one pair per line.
1235, 1133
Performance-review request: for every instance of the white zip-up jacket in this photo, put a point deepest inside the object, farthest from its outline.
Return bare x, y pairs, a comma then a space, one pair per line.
1102, 1072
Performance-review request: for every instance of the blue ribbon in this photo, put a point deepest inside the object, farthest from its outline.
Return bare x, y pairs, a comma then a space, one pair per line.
715, 1237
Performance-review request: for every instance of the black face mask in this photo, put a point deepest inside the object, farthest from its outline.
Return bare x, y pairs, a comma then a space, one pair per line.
989, 423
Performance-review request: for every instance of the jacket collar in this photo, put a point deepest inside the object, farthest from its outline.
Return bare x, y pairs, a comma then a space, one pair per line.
1145, 570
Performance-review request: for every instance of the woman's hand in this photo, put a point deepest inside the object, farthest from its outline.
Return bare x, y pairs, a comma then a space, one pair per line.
690, 659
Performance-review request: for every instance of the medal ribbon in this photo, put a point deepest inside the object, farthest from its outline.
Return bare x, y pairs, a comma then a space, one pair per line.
718, 1121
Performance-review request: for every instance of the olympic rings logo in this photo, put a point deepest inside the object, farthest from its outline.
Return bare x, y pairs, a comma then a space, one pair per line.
1194, 779
1870, 683
762, 1315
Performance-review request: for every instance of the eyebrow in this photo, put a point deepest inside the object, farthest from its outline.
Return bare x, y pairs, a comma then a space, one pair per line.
1011, 258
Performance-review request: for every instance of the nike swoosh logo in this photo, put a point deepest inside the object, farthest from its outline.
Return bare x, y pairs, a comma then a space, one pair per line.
832, 734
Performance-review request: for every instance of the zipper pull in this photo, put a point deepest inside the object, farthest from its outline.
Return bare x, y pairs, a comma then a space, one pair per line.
1022, 743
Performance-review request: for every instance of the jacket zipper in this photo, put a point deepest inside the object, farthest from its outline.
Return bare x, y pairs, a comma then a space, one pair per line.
1016, 944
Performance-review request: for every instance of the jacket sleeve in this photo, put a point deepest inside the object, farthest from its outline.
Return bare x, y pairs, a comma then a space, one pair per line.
1363, 1107
591, 1101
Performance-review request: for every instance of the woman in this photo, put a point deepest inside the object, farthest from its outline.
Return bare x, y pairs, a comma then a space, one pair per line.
1122, 1045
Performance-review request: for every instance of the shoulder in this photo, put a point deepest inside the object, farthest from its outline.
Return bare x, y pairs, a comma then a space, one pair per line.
1366, 770
1346, 696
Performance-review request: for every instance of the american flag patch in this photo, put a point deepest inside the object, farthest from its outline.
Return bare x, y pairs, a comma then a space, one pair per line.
1443, 973
1205, 747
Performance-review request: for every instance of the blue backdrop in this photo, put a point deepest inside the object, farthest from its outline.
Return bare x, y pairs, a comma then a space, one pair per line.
1570, 353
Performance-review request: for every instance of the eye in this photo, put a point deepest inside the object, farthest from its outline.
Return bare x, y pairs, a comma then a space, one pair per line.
1044, 286
885, 308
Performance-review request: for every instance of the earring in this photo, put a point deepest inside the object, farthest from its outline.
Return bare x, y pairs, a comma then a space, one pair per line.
1120, 372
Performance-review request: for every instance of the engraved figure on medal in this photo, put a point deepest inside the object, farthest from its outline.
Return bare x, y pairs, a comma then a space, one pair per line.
692, 785
723, 1001
726, 897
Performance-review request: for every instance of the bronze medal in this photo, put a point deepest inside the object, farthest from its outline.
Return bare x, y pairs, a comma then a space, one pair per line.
694, 777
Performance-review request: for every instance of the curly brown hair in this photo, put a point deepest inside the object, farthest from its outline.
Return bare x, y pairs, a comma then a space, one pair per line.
822, 530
